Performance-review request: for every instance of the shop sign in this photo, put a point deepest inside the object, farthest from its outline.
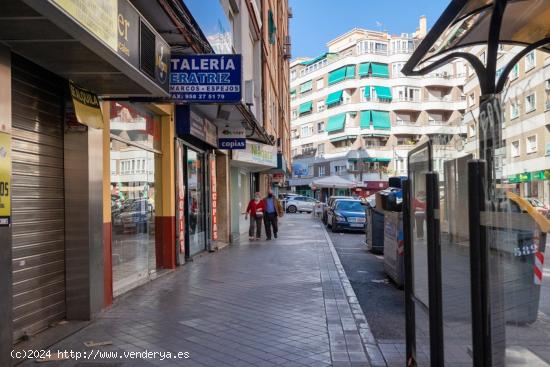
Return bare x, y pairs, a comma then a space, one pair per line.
189, 122
232, 138
5, 179
539, 175
513, 179
524, 177
278, 177
206, 78
300, 169
214, 198
180, 202
86, 107
256, 153
117, 24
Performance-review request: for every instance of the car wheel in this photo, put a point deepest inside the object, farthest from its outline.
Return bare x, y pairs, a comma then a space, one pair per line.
292, 209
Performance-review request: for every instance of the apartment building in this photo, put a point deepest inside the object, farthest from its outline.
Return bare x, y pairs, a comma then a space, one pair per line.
353, 107
525, 157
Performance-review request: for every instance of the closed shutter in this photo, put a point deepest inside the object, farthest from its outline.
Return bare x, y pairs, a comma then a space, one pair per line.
37, 199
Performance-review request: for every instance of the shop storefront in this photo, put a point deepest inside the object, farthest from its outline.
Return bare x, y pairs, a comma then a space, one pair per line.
532, 185
135, 150
195, 156
246, 167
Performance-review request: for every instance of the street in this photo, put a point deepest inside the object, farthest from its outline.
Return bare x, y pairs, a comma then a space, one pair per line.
381, 301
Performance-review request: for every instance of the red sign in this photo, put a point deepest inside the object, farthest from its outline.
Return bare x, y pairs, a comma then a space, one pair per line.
180, 200
214, 199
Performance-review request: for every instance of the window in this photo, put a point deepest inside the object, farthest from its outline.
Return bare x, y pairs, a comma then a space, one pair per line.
547, 91
515, 72
514, 110
396, 69
320, 127
339, 169
321, 149
307, 130
271, 28
347, 97
365, 93
294, 152
306, 148
322, 171
514, 147
294, 114
320, 84
530, 103
294, 134
529, 61
531, 144
292, 75
372, 142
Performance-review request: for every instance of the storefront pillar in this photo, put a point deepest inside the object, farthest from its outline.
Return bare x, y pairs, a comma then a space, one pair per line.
223, 200
165, 219
84, 223
107, 220
6, 331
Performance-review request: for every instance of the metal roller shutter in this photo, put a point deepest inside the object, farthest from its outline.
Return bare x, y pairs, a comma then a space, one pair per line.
37, 199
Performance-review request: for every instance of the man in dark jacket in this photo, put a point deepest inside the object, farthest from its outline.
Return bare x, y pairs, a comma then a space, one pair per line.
273, 209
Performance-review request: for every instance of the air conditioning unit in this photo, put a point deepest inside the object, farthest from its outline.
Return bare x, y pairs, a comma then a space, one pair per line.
249, 92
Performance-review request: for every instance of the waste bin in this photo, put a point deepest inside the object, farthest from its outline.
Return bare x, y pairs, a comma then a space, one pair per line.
375, 230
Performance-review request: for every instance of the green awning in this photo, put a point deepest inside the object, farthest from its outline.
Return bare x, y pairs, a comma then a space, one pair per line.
336, 122
383, 92
380, 70
337, 75
305, 107
341, 138
350, 72
366, 92
364, 121
334, 98
364, 69
315, 59
381, 120
306, 87
293, 91
383, 160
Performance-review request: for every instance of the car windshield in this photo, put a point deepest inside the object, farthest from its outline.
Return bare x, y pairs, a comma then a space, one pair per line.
349, 206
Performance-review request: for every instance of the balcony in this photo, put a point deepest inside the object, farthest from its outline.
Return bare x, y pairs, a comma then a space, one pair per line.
443, 103
407, 103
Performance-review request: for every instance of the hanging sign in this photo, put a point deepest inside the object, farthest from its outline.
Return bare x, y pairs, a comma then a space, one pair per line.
231, 138
206, 78
86, 107
5, 179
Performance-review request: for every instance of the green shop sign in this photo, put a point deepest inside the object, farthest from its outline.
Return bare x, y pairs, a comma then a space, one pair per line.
530, 176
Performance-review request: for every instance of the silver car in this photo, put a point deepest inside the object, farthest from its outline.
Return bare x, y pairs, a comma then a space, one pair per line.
300, 204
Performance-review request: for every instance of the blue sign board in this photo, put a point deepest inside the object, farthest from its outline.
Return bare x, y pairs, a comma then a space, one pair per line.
206, 78
231, 138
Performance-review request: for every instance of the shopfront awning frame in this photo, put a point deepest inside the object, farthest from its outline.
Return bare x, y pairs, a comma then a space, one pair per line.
459, 10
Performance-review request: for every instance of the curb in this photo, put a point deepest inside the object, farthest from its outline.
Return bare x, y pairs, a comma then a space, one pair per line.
369, 342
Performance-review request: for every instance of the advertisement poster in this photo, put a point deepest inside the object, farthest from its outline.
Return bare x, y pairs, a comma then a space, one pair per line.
86, 107
5, 179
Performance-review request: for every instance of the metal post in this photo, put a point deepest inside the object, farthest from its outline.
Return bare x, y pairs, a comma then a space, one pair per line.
409, 303
479, 266
434, 270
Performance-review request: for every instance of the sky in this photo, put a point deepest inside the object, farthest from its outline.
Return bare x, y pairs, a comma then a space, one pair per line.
316, 22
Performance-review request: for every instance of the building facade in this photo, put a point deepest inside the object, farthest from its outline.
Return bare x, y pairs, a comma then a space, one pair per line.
524, 163
354, 98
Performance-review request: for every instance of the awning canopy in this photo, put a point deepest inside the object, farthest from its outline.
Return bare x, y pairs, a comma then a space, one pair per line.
336, 122
364, 69
342, 138
306, 87
380, 70
345, 72
334, 98
468, 22
305, 107
334, 182
383, 92
366, 91
365, 119
381, 120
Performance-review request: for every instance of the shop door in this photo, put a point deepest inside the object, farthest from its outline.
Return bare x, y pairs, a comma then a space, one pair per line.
37, 199
196, 201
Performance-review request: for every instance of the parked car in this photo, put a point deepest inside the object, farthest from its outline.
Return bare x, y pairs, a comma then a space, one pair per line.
539, 205
346, 214
329, 204
300, 204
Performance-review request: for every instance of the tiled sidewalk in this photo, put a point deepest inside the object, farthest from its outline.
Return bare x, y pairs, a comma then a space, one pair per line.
284, 302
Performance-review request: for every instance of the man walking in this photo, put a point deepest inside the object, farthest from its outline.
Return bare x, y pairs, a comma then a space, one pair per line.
273, 209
